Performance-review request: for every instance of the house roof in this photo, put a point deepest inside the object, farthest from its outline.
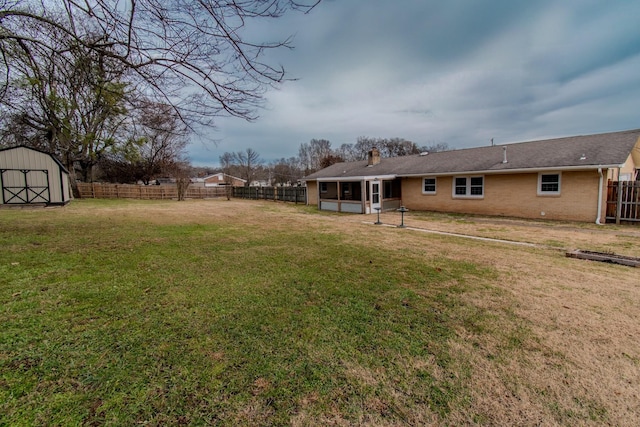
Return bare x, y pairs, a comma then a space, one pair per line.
575, 152
222, 173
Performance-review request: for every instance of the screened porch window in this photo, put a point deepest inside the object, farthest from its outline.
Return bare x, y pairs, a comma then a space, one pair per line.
391, 189
351, 191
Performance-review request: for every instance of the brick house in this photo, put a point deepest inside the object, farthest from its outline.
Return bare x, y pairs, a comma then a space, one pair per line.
562, 178
219, 179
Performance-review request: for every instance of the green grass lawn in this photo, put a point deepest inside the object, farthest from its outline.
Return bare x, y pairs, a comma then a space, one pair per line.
114, 319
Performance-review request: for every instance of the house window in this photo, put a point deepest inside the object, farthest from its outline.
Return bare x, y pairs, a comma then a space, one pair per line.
323, 187
429, 186
548, 184
468, 186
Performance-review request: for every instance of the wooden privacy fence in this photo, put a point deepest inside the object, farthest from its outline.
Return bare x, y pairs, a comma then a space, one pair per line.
145, 192
285, 194
623, 201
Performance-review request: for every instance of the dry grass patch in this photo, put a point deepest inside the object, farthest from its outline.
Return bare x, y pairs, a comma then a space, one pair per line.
261, 313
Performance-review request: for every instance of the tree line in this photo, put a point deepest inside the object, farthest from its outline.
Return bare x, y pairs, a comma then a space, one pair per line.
313, 156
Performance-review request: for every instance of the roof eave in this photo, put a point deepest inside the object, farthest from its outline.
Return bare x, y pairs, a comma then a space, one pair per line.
351, 178
508, 171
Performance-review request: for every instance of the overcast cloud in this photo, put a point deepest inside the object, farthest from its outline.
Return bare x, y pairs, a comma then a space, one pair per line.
459, 72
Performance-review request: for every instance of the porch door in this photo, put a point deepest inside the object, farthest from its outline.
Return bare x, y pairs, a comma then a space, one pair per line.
375, 196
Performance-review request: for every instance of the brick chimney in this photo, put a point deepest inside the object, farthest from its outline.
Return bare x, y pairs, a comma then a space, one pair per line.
374, 157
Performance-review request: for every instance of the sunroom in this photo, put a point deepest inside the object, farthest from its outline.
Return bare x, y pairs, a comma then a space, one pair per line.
359, 195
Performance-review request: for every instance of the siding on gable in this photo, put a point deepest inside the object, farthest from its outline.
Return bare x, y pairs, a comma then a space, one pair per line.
512, 195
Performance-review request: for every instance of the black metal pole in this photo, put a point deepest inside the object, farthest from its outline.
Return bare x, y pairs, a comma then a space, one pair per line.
402, 211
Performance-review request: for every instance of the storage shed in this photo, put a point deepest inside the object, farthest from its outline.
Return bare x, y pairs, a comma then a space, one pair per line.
30, 176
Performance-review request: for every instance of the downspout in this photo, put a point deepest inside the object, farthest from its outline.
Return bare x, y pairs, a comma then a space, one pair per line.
599, 197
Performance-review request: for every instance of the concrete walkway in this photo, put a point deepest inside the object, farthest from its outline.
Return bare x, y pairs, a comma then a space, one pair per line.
465, 236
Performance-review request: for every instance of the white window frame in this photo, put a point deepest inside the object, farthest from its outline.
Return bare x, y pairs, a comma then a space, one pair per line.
468, 187
435, 185
326, 187
549, 193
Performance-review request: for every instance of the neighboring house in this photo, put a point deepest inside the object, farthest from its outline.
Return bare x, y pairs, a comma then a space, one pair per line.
219, 179
563, 178
30, 176
260, 183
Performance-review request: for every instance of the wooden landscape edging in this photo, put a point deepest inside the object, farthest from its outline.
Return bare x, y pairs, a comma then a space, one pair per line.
605, 257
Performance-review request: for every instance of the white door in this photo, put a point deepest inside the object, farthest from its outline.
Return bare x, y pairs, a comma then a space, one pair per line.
375, 196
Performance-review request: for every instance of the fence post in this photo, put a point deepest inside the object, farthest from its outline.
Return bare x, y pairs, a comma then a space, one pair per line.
619, 202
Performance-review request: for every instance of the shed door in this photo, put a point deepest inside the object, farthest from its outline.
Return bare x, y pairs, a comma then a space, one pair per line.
21, 186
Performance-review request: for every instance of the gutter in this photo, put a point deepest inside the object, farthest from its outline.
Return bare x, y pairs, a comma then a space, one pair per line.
600, 190
508, 171
352, 178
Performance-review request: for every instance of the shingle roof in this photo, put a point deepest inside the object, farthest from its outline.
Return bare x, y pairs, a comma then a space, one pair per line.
575, 152
55, 159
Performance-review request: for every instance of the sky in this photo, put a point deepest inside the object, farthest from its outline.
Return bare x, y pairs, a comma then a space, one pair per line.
459, 72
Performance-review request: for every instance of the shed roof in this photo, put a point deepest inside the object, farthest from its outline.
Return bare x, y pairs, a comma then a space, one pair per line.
55, 159
574, 152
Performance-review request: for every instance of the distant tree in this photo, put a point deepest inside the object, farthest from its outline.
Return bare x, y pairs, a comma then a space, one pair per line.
162, 140
330, 160
157, 143
396, 147
286, 171
435, 147
363, 145
388, 147
347, 152
246, 162
312, 153
226, 163
180, 171
117, 169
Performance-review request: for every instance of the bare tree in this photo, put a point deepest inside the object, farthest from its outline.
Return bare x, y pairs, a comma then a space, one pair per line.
157, 143
396, 147
248, 161
226, 162
71, 104
347, 152
191, 54
435, 147
312, 153
388, 147
180, 171
162, 139
286, 171
330, 160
